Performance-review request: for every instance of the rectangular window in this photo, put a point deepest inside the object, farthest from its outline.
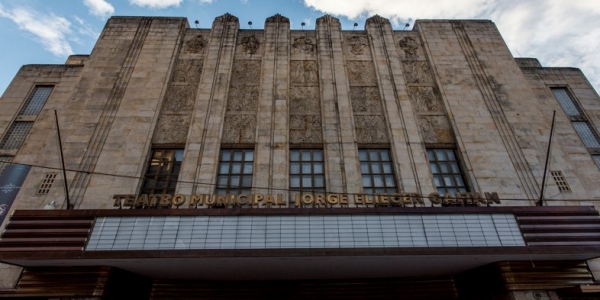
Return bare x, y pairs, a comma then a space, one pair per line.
163, 171
377, 171
36, 101
235, 171
587, 133
566, 102
447, 174
307, 174
16, 135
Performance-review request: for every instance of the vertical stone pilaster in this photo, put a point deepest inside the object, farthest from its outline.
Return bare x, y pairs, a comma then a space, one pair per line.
412, 166
204, 139
341, 162
271, 173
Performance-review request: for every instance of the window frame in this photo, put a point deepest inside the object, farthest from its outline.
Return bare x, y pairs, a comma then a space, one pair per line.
313, 174
372, 189
155, 176
457, 162
246, 171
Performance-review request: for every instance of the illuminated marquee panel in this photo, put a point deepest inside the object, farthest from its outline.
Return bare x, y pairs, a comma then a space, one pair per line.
304, 231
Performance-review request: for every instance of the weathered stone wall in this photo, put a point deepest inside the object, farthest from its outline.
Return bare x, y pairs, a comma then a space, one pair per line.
156, 82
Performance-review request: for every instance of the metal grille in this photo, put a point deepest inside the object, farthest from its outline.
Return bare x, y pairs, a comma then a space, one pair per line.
447, 174
377, 171
560, 181
587, 135
46, 184
4, 161
307, 170
36, 101
235, 171
16, 135
566, 102
163, 171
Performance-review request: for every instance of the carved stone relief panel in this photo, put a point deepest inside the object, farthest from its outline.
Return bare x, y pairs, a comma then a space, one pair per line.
245, 71
180, 97
303, 45
365, 99
242, 98
361, 73
304, 99
417, 72
187, 71
250, 44
370, 129
196, 44
305, 129
304, 72
410, 47
425, 99
239, 129
435, 129
172, 129
357, 45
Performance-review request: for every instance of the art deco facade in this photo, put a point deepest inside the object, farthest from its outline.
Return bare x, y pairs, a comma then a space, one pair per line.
300, 164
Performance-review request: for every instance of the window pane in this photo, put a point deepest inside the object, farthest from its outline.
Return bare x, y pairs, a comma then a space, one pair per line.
225, 155
236, 168
596, 159
306, 169
565, 101
224, 168
294, 155
387, 168
319, 181
237, 155
362, 155
162, 172
306, 155
446, 164
377, 171
364, 168
318, 168
36, 101
249, 155
294, 181
318, 155
222, 181
16, 135
247, 181
307, 181
586, 134
294, 168
248, 168
234, 181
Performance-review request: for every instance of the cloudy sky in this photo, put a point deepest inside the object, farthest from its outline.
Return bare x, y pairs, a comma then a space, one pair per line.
557, 32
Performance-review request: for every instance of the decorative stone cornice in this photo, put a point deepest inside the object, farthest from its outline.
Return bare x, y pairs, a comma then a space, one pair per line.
226, 18
277, 18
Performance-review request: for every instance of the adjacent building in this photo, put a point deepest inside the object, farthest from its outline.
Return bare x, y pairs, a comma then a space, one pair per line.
299, 164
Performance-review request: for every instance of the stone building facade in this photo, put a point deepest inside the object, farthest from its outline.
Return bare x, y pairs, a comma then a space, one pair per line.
440, 122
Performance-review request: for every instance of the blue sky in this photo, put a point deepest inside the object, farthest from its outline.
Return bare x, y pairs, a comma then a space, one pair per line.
558, 32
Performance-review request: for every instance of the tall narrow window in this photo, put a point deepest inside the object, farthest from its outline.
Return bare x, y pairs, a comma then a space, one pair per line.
235, 171
307, 173
447, 174
36, 101
163, 171
16, 135
583, 127
377, 171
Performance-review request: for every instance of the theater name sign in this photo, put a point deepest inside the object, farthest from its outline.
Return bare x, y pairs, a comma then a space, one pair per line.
300, 200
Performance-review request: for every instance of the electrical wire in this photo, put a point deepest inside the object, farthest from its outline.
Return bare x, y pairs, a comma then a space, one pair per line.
259, 188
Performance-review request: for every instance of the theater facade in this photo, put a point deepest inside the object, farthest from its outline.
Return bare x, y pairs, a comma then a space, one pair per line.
228, 163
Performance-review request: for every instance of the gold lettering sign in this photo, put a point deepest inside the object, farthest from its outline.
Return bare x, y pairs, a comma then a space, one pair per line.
302, 200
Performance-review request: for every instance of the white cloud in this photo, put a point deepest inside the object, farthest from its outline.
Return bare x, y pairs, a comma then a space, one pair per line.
557, 32
99, 8
157, 4
211, 1
50, 30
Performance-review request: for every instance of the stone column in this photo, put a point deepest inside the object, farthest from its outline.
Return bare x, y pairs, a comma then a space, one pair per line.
341, 155
271, 159
406, 144
204, 140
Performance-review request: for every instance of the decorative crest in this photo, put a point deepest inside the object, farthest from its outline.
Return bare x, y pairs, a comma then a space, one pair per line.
277, 18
